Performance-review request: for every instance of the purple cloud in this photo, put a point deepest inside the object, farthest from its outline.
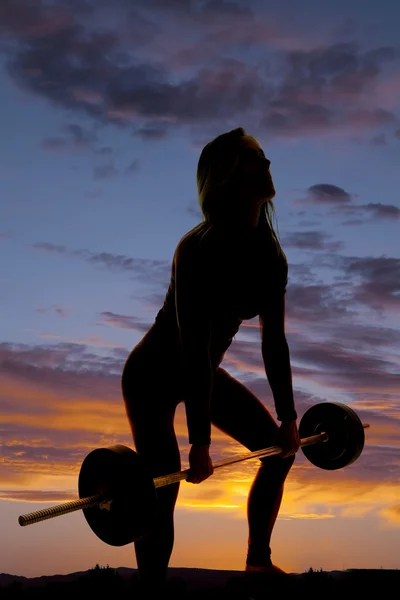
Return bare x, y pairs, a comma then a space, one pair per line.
340, 202
311, 240
76, 376
59, 310
51, 248
53, 364
316, 91
104, 172
150, 133
382, 211
160, 269
21, 18
379, 285
372, 281
327, 194
124, 322
54, 144
194, 212
133, 167
379, 140
376, 284
80, 137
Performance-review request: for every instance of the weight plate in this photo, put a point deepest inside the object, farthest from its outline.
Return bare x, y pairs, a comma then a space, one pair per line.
120, 471
345, 431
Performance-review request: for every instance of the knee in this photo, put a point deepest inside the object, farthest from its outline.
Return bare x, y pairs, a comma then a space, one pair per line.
288, 462
278, 465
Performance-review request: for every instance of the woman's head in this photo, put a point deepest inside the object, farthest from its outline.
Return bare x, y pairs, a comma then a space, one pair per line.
233, 179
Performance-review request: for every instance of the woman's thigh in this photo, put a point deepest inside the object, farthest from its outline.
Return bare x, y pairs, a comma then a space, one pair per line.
150, 406
236, 411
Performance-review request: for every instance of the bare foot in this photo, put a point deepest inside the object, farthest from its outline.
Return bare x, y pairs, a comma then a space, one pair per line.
268, 570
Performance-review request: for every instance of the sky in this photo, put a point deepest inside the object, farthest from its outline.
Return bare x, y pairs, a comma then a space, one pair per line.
104, 109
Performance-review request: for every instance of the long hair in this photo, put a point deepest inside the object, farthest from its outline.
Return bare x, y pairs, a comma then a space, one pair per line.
216, 184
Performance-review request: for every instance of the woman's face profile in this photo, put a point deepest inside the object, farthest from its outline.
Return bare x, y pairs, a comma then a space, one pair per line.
253, 170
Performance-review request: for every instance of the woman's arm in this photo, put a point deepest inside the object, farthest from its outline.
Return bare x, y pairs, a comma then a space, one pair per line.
276, 357
193, 303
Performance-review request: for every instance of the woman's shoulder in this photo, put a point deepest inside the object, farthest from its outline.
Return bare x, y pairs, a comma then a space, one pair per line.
201, 251
201, 239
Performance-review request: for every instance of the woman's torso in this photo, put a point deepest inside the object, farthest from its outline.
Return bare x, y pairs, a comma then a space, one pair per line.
245, 269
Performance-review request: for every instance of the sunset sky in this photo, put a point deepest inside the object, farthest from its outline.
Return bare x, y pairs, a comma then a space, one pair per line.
105, 106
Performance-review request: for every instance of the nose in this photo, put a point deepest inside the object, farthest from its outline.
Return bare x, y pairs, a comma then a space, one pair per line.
264, 163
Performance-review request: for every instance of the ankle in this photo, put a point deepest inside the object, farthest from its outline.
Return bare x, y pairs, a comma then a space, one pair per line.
258, 559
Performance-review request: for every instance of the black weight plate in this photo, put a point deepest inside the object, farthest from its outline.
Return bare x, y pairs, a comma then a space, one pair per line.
121, 471
345, 431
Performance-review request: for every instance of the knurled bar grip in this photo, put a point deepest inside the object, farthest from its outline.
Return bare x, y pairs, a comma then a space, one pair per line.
90, 501
60, 509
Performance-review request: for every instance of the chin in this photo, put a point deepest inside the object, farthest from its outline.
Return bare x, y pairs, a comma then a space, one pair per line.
269, 189
270, 194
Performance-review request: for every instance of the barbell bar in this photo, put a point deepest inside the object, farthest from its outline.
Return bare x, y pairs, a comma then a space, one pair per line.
115, 484
103, 501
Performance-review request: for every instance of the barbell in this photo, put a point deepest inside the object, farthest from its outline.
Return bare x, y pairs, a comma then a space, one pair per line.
118, 495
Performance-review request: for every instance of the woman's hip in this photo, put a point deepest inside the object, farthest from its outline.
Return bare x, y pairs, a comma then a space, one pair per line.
151, 379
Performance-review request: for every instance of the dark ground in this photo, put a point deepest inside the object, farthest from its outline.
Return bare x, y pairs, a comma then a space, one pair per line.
193, 584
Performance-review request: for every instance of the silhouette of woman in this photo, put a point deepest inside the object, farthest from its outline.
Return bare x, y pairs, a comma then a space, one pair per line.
228, 269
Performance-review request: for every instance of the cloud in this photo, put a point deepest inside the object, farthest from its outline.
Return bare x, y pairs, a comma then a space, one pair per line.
5, 235
160, 269
150, 133
382, 211
311, 240
76, 65
59, 310
329, 345
379, 140
358, 373
340, 202
379, 285
37, 496
152, 300
195, 212
392, 513
54, 144
133, 167
77, 137
328, 194
124, 322
61, 400
51, 248
80, 136
104, 172
327, 88
57, 403
26, 20
370, 281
